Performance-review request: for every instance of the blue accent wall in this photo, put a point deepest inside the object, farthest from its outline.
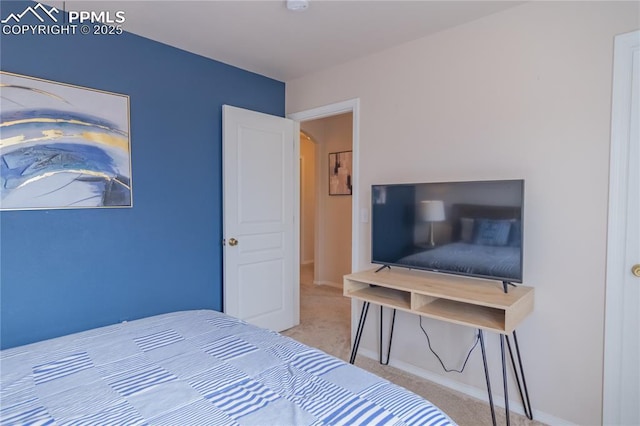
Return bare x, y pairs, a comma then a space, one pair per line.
64, 271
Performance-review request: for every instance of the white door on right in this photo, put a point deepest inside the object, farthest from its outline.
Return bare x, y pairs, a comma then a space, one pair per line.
621, 393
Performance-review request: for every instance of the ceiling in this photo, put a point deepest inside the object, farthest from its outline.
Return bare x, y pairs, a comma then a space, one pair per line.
267, 38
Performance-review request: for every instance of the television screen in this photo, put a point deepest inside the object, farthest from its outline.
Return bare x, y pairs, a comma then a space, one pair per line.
465, 228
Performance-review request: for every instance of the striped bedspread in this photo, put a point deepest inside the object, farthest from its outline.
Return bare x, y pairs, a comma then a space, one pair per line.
195, 368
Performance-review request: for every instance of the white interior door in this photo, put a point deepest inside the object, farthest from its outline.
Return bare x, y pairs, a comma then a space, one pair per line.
622, 339
260, 213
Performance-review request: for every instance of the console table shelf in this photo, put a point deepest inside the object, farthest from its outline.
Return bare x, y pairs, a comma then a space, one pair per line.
471, 302
467, 301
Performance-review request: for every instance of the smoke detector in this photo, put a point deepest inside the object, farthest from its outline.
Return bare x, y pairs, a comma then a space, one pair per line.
297, 5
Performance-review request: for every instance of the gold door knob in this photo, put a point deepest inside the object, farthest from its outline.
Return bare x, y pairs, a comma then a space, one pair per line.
233, 242
635, 269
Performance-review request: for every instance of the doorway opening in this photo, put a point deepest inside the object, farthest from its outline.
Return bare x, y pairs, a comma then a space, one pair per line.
326, 176
328, 230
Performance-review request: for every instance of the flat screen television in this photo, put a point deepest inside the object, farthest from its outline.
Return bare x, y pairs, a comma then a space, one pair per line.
464, 228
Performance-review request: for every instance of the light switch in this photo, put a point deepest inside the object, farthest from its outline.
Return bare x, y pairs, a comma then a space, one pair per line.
364, 215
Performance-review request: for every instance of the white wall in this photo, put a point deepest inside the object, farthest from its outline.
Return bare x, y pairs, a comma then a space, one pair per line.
333, 239
525, 93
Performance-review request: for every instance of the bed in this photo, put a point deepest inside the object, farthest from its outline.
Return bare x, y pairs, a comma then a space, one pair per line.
195, 368
486, 241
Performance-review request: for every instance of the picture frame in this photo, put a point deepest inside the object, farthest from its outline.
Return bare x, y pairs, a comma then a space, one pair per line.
341, 173
63, 146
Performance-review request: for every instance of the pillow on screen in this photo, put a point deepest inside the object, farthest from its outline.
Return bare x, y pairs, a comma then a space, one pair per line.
491, 232
466, 229
515, 236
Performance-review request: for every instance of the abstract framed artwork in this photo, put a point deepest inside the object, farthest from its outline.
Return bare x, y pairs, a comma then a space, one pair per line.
62, 146
340, 173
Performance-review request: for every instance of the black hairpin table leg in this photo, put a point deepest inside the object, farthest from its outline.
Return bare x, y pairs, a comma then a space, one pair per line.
519, 373
393, 322
486, 375
504, 381
356, 341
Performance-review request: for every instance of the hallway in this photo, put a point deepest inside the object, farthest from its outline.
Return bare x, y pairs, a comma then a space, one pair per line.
324, 317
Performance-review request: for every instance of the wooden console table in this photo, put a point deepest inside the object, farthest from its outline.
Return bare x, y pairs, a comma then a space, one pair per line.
481, 304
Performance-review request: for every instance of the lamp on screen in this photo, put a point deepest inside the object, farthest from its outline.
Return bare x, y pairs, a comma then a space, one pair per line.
432, 211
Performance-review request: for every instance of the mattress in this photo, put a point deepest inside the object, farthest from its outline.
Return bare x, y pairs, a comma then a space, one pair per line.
195, 368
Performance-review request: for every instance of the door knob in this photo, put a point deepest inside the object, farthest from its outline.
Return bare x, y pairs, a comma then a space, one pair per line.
233, 242
635, 269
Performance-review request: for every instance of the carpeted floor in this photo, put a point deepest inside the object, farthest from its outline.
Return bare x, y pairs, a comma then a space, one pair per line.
325, 324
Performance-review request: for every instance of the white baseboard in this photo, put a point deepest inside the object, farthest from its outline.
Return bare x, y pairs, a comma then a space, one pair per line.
481, 394
329, 283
